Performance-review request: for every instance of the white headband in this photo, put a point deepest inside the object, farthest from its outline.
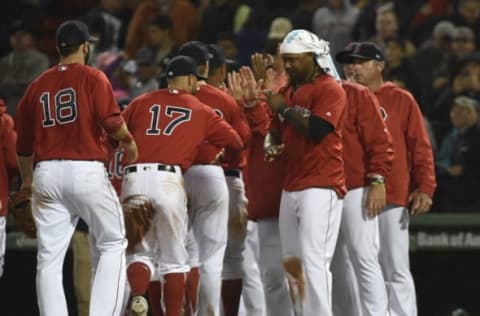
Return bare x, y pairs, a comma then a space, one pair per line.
302, 41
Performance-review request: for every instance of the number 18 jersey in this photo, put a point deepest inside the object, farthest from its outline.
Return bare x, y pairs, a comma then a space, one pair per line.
61, 114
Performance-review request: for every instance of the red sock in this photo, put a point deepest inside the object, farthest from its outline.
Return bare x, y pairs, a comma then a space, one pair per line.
231, 292
155, 297
138, 275
173, 292
191, 291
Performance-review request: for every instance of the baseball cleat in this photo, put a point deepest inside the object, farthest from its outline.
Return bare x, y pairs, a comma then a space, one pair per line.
138, 306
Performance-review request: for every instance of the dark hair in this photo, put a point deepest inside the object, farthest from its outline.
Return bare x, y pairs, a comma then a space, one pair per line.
67, 51
398, 40
163, 22
271, 46
226, 36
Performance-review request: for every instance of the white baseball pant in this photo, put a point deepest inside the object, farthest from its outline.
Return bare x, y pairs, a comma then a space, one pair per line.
345, 298
309, 224
237, 230
273, 274
253, 298
164, 243
359, 234
63, 191
192, 249
208, 207
395, 261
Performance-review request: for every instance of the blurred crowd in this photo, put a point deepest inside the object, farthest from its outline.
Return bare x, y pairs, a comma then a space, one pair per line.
430, 48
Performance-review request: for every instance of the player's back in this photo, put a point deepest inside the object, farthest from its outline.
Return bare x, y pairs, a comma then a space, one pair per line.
168, 125
63, 109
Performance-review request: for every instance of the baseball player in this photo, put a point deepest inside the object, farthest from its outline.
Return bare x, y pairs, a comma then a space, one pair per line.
368, 156
212, 202
252, 289
8, 164
170, 125
308, 132
411, 182
264, 200
61, 120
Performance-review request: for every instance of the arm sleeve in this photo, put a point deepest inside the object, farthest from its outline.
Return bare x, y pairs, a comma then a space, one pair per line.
374, 134
9, 138
105, 104
259, 118
420, 149
112, 123
219, 132
24, 126
329, 102
240, 124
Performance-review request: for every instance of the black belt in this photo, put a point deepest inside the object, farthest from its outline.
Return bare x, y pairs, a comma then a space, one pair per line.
233, 173
160, 167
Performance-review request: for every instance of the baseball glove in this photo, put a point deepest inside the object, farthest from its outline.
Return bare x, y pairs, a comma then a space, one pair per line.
20, 205
138, 213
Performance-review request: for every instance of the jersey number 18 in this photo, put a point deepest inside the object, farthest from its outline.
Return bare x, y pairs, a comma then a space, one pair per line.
64, 105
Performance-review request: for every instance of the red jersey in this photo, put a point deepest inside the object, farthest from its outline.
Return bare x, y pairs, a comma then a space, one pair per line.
169, 126
367, 144
413, 151
309, 163
8, 158
61, 114
227, 108
263, 180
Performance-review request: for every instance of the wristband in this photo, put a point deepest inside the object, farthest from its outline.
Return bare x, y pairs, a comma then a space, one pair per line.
376, 179
284, 112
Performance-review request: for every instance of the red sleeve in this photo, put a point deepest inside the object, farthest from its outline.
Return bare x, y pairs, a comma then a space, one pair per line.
112, 123
420, 150
374, 134
24, 125
105, 104
258, 118
240, 125
219, 132
329, 101
9, 140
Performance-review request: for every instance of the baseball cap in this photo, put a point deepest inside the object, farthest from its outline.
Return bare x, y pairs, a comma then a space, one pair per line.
218, 57
20, 25
73, 33
362, 50
467, 102
197, 50
463, 33
443, 29
182, 66
279, 28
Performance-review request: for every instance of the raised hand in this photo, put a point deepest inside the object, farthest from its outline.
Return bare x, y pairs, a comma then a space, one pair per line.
251, 87
234, 84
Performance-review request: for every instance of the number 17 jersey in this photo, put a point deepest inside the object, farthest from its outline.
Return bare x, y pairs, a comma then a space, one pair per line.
169, 125
61, 114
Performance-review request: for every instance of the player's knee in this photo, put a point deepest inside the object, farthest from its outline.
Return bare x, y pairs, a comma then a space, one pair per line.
293, 267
